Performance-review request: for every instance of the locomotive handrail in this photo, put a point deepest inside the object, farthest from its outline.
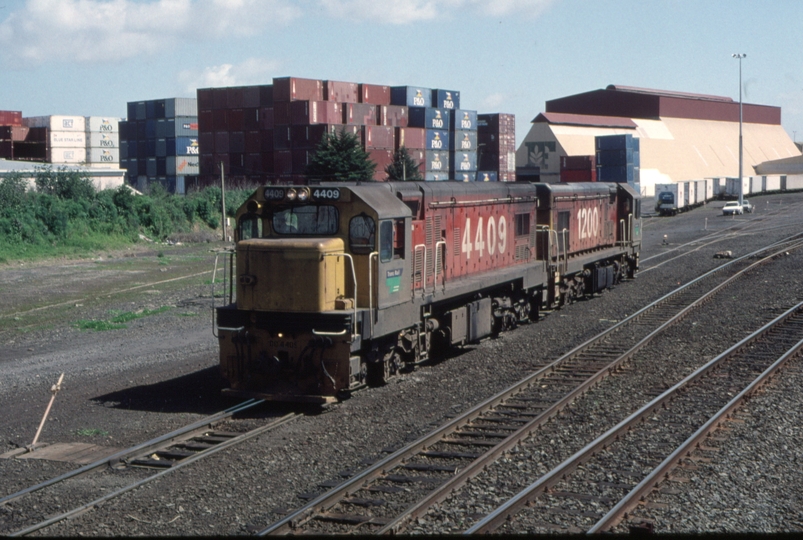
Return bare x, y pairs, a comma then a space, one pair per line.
371, 288
565, 234
354, 278
443, 271
230, 253
423, 247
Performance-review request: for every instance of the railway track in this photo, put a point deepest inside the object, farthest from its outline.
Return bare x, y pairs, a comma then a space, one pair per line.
158, 457
401, 487
596, 487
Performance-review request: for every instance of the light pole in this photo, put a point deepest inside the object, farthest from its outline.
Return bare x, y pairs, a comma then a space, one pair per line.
741, 182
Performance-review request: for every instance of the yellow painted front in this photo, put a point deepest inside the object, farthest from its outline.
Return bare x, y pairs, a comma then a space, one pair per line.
289, 274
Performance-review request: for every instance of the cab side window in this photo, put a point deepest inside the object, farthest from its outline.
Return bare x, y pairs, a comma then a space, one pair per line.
250, 226
386, 241
362, 234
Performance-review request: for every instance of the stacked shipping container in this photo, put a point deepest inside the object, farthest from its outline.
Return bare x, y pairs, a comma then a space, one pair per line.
269, 133
102, 142
578, 169
618, 159
159, 143
65, 139
496, 140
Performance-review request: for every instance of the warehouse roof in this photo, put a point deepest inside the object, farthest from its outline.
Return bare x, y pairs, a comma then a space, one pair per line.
585, 120
790, 165
667, 93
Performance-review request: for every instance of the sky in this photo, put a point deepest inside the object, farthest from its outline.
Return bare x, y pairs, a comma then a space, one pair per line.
91, 57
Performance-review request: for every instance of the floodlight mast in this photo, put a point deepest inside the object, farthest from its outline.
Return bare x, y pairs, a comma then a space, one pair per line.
741, 161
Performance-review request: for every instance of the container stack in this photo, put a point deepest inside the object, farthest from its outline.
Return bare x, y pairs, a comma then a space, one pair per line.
578, 169
269, 133
496, 136
618, 159
102, 142
159, 143
65, 139
12, 133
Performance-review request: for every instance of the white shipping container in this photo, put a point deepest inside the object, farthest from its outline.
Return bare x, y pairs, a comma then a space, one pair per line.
183, 165
66, 155
103, 140
66, 139
56, 123
794, 181
755, 184
669, 197
773, 183
103, 155
102, 124
181, 107
103, 165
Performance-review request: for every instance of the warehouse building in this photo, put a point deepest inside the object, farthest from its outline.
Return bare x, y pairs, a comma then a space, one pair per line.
682, 136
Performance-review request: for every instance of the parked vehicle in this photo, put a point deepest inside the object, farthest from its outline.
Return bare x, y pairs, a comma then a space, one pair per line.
746, 206
731, 208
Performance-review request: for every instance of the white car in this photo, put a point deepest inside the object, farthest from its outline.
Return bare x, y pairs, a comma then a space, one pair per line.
746, 206
731, 208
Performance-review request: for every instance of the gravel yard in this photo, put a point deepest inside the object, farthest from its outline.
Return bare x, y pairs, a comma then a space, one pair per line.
123, 386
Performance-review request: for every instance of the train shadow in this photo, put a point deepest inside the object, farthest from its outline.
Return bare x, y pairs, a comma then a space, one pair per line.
199, 392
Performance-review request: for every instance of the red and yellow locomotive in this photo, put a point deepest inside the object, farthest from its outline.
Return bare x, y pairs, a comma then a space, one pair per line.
340, 285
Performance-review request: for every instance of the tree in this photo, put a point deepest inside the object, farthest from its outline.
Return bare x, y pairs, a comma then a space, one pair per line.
403, 167
341, 158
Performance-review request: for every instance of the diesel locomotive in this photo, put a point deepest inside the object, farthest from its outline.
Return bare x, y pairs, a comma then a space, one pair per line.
336, 286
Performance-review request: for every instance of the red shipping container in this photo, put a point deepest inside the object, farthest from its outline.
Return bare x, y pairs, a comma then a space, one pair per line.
316, 112
207, 164
266, 97
420, 158
301, 159
219, 98
360, 114
7, 149
282, 138
205, 99
393, 115
578, 162
10, 118
236, 121
234, 97
206, 142
267, 161
375, 94
253, 163
253, 142
342, 92
13, 133
220, 120
351, 130
251, 97
378, 137
309, 137
281, 113
266, 118
382, 158
222, 142
411, 138
221, 158
578, 175
296, 89
266, 142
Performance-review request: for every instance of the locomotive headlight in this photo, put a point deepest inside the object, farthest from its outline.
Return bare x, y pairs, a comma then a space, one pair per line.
303, 194
291, 194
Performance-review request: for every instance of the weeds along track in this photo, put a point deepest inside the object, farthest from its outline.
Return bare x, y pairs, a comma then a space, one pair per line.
403, 487
127, 470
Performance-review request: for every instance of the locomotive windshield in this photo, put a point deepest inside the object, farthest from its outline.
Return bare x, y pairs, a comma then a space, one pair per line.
306, 220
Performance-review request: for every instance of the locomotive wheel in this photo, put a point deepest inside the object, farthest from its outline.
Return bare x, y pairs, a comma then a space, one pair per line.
378, 373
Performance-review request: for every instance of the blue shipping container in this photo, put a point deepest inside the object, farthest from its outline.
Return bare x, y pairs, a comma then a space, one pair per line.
428, 117
616, 158
446, 99
463, 162
465, 176
487, 176
465, 141
411, 96
183, 146
436, 177
616, 142
437, 162
161, 147
437, 139
464, 120
625, 173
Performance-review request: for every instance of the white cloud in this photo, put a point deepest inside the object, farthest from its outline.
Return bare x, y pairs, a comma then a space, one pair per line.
113, 30
493, 101
411, 11
251, 71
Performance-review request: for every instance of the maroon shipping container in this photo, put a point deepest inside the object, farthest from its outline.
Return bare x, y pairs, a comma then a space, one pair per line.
206, 142
266, 142
315, 112
236, 120
342, 92
378, 137
296, 89
266, 118
237, 142
360, 114
253, 163
10, 118
267, 161
309, 137
253, 142
281, 113
393, 115
234, 97
7, 149
382, 158
206, 121
578, 163
13, 133
578, 175
375, 94
219, 98
220, 120
301, 159
251, 119
205, 97
282, 138
207, 165
411, 138
251, 97
221, 158
420, 158
351, 130
222, 142
266, 97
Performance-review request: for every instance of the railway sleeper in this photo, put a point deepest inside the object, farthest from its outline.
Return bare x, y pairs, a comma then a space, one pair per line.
351, 519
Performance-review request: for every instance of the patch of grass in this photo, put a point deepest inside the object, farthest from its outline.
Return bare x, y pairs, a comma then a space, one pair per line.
187, 314
92, 432
99, 326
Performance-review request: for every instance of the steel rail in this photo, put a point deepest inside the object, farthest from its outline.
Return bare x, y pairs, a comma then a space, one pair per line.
217, 448
332, 497
122, 454
496, 518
